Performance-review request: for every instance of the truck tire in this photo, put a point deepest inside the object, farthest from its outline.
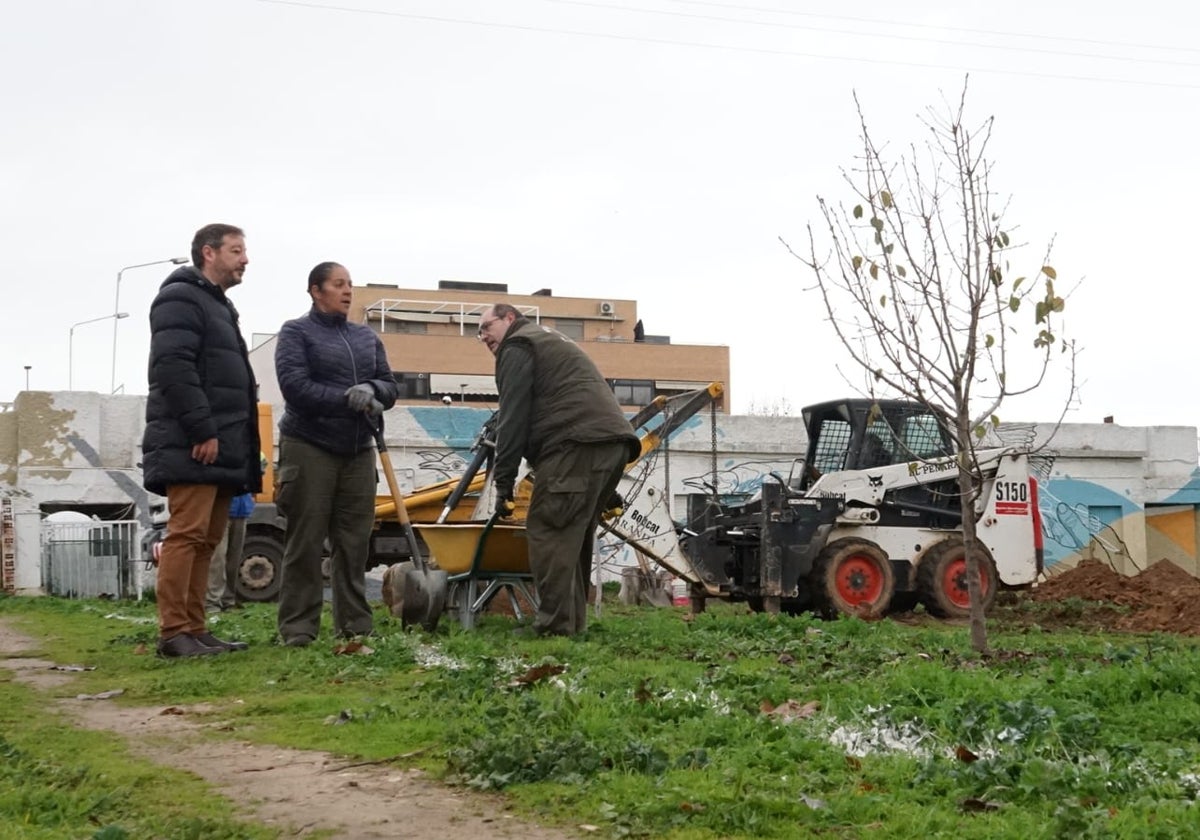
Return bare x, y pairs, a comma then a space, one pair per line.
852, 577
942, 579
261, 572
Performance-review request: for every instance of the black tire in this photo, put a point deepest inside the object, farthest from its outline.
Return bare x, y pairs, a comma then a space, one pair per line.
903, 602
852, 577
942, 579
260, 574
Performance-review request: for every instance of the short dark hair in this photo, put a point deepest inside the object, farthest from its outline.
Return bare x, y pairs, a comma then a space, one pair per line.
212, 236
503, 310
320, 274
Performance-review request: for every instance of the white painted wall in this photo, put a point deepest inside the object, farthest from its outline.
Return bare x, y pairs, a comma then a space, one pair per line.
82, 447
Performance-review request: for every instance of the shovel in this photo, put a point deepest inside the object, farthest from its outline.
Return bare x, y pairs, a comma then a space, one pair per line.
422, 591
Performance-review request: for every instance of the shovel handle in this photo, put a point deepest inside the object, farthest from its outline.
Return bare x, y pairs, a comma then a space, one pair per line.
398, 499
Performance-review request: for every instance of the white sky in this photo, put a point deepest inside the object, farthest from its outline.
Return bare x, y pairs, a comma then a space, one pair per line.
595, 148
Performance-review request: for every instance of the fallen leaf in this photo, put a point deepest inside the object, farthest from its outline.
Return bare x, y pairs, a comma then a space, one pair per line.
354, 648
103, 695
691, 807
589, 827
536, 674
790, 710
965, 755
173, 710
973, 805
786, 659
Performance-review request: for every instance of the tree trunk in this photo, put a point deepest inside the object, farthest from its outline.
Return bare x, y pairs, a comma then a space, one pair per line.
967, 494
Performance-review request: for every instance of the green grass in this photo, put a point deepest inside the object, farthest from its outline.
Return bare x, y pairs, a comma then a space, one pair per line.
653, 726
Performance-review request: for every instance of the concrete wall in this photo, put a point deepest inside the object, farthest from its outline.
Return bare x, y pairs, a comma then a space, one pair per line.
1125, 494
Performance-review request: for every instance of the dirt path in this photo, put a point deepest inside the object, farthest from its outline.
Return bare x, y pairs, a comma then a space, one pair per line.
303, 791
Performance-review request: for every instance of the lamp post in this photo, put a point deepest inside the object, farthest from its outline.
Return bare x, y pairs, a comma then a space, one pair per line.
27, 367
116, 316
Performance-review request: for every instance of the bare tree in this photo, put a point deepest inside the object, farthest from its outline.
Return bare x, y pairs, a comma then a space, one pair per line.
916, 281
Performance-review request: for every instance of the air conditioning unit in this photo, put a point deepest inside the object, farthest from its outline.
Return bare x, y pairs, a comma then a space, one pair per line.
607, 308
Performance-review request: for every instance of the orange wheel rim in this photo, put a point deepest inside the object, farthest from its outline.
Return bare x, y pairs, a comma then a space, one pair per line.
859, 581
954, 583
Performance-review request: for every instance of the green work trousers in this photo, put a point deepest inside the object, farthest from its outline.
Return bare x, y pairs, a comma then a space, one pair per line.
570, 491
324, 496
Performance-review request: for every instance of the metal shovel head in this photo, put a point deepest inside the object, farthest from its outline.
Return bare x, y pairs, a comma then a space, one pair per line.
654, 592
422, 597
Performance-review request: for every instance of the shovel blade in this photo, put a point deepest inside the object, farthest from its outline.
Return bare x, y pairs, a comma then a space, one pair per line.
423, 597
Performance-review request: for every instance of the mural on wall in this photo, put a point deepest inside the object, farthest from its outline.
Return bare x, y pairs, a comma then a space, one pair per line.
443, 463
455, 426
737, 478
1082, 518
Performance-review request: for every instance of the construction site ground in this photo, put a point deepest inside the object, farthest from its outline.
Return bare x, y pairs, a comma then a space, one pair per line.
308, 792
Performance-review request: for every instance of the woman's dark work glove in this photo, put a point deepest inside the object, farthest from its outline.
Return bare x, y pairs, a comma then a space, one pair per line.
359, 397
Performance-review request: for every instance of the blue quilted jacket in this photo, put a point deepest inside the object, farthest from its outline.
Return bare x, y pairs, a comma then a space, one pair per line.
317, 358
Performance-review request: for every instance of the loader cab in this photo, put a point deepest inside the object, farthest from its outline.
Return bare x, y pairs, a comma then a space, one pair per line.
866, 434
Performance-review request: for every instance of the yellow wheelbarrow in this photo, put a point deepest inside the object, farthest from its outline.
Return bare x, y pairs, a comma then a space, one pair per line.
481, 560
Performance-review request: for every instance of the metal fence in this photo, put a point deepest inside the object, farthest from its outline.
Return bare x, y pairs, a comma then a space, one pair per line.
92, 559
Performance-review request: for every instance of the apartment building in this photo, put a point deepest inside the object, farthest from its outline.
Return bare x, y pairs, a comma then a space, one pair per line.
430, 338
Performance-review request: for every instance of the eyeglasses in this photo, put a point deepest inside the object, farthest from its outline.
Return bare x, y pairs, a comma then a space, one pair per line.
484, 326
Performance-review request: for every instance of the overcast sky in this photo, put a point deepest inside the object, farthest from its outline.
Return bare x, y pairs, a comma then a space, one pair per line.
647, 149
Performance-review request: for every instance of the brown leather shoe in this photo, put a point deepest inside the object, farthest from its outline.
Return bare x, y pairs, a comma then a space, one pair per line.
183, 644
210, 640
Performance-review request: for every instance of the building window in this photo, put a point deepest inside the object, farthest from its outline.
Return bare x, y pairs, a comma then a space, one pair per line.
572, 328
405, 327
411, 386
633, 391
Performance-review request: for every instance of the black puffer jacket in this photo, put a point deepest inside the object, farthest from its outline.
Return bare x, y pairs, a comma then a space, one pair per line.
201, 387
317, 357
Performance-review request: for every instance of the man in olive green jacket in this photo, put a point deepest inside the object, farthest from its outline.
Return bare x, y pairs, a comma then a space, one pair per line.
558, 413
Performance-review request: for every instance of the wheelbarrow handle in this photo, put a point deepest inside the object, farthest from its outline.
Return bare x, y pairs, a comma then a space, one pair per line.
484, 446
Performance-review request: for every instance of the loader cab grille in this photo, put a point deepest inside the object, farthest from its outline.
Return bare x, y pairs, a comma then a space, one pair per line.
869, 434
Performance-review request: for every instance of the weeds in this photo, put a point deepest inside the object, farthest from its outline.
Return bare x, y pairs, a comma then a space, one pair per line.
654, 726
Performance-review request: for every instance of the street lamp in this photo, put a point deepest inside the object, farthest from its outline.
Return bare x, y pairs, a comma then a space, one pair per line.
27, 367
117, 316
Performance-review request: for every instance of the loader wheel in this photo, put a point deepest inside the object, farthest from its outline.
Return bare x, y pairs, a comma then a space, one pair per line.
942, 580
261, 573
853, 577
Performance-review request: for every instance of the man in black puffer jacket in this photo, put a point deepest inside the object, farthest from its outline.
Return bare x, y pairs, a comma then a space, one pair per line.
201, 445
336, 381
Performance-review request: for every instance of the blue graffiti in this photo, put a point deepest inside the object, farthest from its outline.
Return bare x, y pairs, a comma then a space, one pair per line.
1070, 527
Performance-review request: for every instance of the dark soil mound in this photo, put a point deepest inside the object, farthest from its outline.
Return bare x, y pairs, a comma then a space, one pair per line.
1163, 598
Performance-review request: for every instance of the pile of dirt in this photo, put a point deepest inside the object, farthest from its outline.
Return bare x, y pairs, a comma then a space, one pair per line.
1163, 598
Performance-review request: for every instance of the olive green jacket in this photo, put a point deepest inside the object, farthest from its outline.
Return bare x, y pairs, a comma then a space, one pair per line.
551, 396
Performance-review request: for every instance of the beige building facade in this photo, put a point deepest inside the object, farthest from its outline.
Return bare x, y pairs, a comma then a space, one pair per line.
430, 337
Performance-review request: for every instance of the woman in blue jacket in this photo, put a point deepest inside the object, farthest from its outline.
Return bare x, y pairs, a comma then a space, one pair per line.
336, 383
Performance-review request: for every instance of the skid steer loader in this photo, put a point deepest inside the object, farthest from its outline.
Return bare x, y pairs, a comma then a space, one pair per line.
868, 521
